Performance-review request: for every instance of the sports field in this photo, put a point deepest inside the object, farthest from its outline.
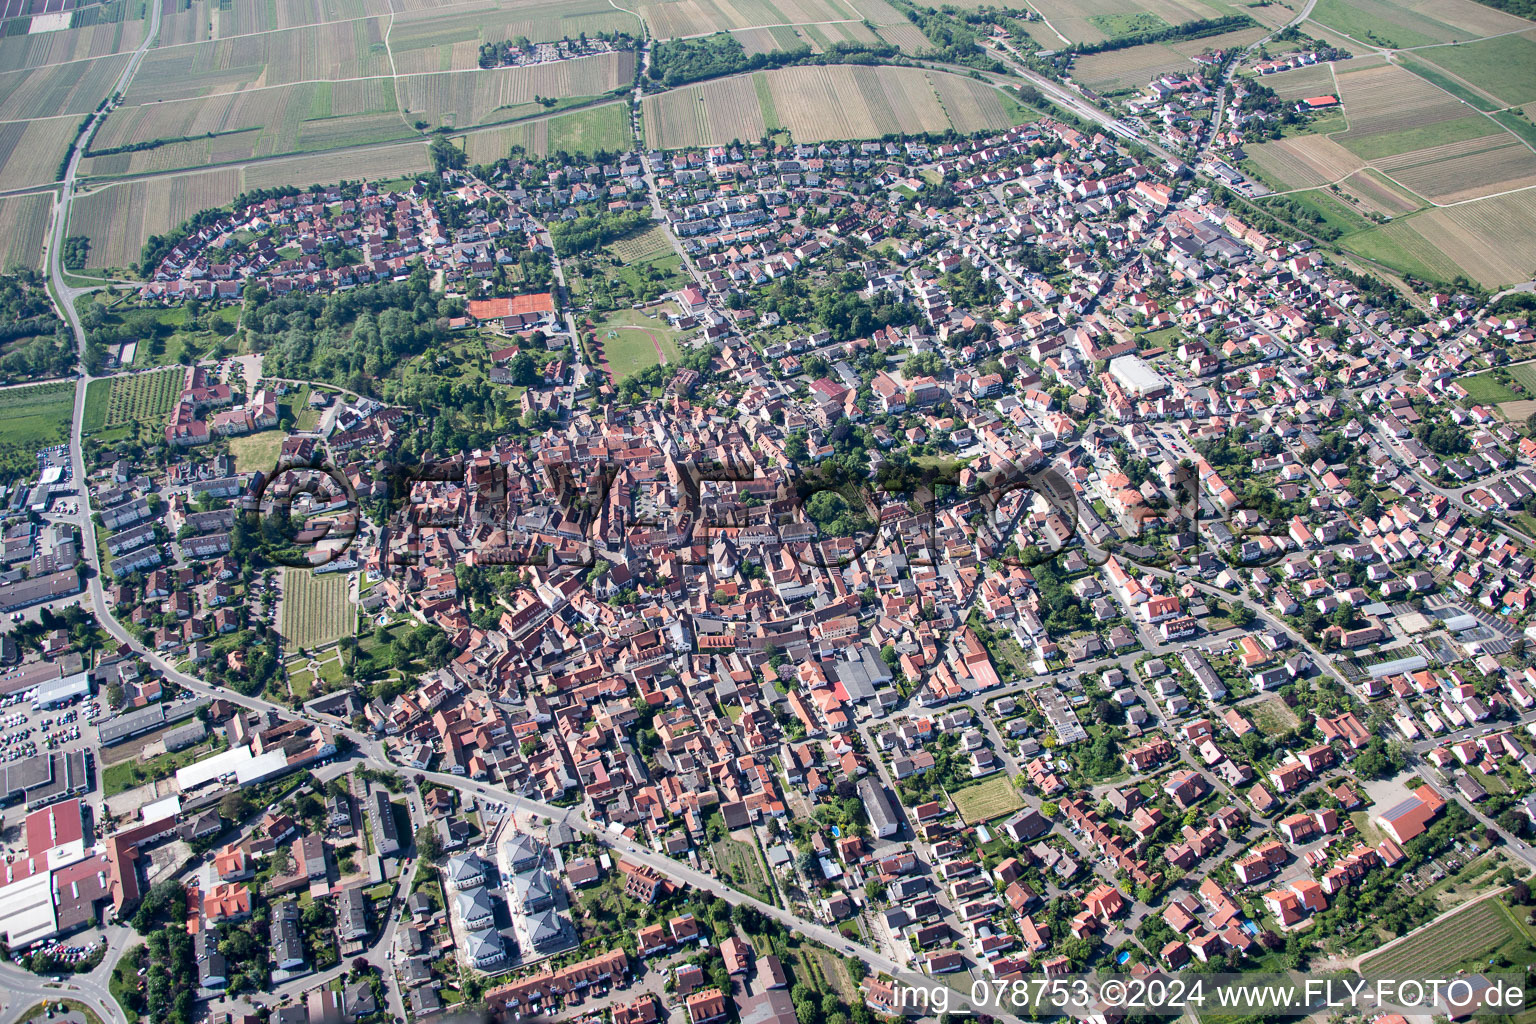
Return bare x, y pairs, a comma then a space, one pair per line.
315, 608
630, 342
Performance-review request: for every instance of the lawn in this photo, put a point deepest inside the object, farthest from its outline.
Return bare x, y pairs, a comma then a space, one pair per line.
96, 394
740, 866
257, 452
315, 609
1485, 388
1458, 937
987, 800
32, 417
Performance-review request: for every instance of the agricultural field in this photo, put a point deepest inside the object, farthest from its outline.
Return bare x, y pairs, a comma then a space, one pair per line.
244, 19
432, 40
1492, 241
23, 225
35, 50
32, 417
336, 50
1457, 937
975, 107
740, 865
909, 38
30, 151
603, 128
1463, 170
987, 800
1400, 246
1375, 194
1303, 161
315, 608
118, 219
1502, 69
646, 245
817, 104
465, 98
824, 37
709, 114
770, 40
376, 163
143, 397
669, 19
1135, 66
1092, 21
56, 90
237, 126
1389, 99
1383, 23
1293, 85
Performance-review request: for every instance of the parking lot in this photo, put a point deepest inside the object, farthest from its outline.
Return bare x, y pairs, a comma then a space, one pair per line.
26, 732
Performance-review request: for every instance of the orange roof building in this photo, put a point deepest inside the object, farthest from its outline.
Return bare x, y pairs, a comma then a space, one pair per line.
495, 309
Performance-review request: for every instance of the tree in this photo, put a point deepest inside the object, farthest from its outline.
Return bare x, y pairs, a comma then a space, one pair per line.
235, 806
445, 155
428, 846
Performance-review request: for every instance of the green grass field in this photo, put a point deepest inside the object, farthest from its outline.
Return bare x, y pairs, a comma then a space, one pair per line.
635, 341
1335, 212
987, 800
600, 129
1381, 23
257, 452
1504, 66
1483, 388
1432, 73
315, 610
97, 393
1126, 23
1468, 933
32, 417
